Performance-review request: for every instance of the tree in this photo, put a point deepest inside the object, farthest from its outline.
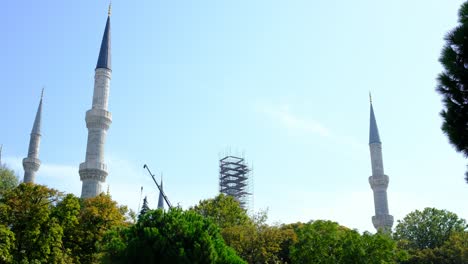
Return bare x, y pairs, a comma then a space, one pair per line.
67, 213
8, 180
257, 242
453, 251
381, 247
251, 238
145, 208
427, 229
7, 239
223, 210
453, 84
319, 242
327, 242
168, 237
97, 216
26, 211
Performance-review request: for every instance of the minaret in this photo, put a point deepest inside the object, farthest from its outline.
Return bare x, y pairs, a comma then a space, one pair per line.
378, 181
93, 171
161, 198
32, 163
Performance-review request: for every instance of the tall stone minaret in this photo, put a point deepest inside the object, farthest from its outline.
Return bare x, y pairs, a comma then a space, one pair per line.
378, 181
93, 171
161, 198
32, 163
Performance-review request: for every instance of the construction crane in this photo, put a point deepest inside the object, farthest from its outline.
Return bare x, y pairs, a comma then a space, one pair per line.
159, 187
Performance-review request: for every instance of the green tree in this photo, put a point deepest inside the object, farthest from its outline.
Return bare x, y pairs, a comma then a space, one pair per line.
7, 240
327, 242
97, 216
258, 242
429, 228
381, 248
318, 242
251, 238
26, 211
145, 208
453, 251
8, 180
168, 237
453, 84
223, 210
67, 213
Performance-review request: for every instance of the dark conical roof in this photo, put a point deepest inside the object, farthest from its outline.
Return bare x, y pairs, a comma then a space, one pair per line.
161, 198
37, 122
104, 60
373, 130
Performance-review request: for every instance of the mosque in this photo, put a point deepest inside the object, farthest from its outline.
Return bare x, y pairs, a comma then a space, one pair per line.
93, 171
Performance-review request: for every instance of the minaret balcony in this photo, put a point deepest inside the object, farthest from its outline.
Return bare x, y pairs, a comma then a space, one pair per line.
31, 164
382, 221
103, 71
98, 118
380, 181
93, 170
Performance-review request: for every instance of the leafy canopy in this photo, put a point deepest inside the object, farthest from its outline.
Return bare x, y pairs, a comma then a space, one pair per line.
429, 228
453, 84
223, 210
175, 236
8, 180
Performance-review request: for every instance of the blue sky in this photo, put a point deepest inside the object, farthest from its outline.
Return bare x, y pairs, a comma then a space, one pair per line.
284, 82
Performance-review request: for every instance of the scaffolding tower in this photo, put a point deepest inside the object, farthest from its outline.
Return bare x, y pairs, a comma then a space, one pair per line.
235, 180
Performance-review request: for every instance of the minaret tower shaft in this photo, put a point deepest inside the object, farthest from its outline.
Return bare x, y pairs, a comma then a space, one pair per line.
378, 181
93, 171
32, 163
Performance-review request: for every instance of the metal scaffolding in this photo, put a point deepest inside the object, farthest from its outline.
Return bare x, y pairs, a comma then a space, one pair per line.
235, 180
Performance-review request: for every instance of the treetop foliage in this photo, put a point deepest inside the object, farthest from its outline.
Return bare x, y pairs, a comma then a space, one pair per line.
429, 228
453, 84
42, 225
8, 179
175, 236
224, 210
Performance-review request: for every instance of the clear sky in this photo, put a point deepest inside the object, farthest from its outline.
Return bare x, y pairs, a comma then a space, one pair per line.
284, 82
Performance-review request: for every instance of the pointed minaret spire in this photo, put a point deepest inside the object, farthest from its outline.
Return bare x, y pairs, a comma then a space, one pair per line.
32, 163
373, 130
161, 198
93, 171
378, 181
104, 59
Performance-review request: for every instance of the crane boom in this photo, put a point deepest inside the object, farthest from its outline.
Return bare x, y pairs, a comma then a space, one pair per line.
159, 187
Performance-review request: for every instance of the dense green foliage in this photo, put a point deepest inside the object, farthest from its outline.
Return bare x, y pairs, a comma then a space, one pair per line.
7, 239
429, 228
223, 210
145, 208
42, 225
327, 242
251, 238
8, 179
433, 236
26, 210
453, 84
454, 250
173, 237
